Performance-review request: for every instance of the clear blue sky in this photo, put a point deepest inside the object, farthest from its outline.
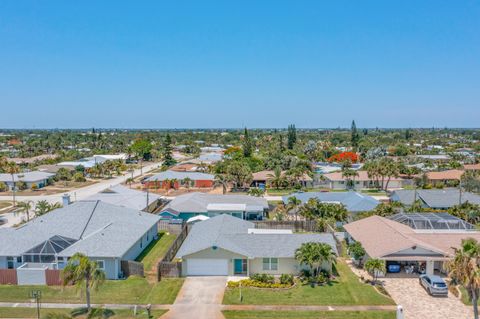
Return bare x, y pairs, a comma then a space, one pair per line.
184, 64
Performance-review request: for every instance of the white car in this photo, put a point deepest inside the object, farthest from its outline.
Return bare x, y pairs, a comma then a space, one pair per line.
434, 285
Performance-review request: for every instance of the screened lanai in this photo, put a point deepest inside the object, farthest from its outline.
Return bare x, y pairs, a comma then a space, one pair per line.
46, 251
432, 221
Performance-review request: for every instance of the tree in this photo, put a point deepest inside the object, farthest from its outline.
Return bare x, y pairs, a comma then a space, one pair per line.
42, 207
187, 182
142, 148
293, 204
356, 250
355, 137
25, 207
12, 169
222, 180
387, 209
464, 270
375, 266
291, 136
167, 152
79, 178
63, 174
239, 173
129, 181
277, 179
314, 255
279, 212
467, 211
326, 214
255, 191
247, 144
83, 273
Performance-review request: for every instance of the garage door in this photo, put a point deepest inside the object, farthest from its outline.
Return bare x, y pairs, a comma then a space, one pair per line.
207, 267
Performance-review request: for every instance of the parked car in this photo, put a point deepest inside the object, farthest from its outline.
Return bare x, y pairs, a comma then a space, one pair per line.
393, 267
434, 285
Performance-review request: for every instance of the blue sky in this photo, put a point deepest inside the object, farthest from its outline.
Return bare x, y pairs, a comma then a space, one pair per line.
188, 64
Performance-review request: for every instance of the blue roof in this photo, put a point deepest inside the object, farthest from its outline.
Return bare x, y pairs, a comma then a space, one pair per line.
353, 201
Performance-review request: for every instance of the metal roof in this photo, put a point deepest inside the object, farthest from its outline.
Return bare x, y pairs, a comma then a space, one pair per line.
435, 198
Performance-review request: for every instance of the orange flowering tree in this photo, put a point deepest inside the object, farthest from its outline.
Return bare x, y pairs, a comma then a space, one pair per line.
344, 156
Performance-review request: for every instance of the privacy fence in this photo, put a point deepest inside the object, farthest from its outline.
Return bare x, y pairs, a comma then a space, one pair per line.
167, 267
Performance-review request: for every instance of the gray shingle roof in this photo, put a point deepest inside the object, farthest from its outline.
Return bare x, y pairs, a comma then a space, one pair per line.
180, 175
198, 202
126, 197
102, 229
353, 201
231, 233
435, 198
28, 177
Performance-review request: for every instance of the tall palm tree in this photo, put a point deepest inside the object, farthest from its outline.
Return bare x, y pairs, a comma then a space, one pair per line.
25, 207
315, 255
464, 269
277, 179
83, 273
222, 180
375, 266
12, 169
292, 205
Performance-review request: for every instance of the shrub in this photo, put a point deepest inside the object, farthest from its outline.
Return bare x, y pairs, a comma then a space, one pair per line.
78, 177
286, 279
256, 284
34, 187
264, 278
21, 186
322, 278
3, 187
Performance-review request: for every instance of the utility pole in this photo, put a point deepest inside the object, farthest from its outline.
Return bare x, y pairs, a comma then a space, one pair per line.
36, 294
147, 197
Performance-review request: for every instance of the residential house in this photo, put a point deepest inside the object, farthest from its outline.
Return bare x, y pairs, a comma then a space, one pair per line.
354, 202
37, 178
262, 178
472, 167
413, 242
131, 198
448, 177
437, 199
362, 181
226, 245
172, 179
193, 204
106, 233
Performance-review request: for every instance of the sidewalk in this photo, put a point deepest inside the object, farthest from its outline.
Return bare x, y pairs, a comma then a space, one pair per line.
75, 305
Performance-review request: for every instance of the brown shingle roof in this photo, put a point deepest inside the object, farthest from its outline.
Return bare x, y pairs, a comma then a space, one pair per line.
445, 175
362, 177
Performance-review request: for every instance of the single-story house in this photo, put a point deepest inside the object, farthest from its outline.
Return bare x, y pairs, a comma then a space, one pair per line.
261, 179
40, 179
410, 242
452, 175
34, 159
193, 204
226, 245
51, 168
89, 162
177, 180
354, 202
362, 181
126, 197
439, 199
472, 167
105, 233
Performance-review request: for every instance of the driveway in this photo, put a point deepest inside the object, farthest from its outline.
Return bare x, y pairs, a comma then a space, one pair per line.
199, 298
418, 304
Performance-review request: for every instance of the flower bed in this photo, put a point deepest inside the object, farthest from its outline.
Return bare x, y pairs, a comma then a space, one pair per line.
258, 284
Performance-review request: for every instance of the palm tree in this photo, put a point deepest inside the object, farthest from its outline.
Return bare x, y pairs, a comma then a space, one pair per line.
83, 273
222, 180
129, 181
464, 269
12, 169
314, 255
187, 181
42, 207
375, 266
279, 212
277, 179
25, 207
293, 205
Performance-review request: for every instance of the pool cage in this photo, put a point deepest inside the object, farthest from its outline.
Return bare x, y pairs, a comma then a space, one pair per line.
432, 221
46, 251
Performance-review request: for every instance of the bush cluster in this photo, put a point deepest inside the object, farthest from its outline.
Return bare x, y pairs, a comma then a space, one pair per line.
264, 281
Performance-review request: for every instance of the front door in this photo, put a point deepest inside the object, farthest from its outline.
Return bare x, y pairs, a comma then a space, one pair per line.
240, 267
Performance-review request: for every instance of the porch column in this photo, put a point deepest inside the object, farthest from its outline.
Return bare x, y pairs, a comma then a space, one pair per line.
429, 268
248, 267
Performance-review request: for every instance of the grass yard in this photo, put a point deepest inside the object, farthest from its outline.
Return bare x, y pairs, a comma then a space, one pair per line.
32, 313
345, 290
5, 204
154, 252
134, 290
230, 314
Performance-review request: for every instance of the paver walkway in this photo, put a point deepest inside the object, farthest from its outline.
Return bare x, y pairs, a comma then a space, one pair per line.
199, 298
418, 304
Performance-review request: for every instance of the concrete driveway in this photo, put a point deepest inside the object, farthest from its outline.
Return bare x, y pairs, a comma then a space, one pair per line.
199, 298
418, 304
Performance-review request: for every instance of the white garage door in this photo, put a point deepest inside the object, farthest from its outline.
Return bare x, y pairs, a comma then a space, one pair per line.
207, 267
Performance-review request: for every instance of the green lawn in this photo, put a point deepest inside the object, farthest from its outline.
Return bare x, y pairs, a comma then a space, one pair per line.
229, 314
134, 290
155, 251
346, 289
32, 313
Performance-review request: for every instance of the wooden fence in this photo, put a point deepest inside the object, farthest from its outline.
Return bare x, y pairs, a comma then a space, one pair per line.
132, 268
165, 225
167, 268
8, 276
295, 226
53, 277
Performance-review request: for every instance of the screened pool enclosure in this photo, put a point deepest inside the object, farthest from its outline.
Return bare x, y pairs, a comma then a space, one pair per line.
46, 251
432, 221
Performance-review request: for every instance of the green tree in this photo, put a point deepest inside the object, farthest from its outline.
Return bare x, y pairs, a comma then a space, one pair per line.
83, 273
142, 148
12, 169
25, 207
247, 144
314, 255
291, 136
356, 250
293, 204
239, 173
464, 270
222, 180
42, 207
255, 191
187, 182
167, 151
467, 211
277, 179
355, 137
375, 266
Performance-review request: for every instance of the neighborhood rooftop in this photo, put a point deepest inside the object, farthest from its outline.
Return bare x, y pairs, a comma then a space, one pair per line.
126, 197
353, 201
435, 198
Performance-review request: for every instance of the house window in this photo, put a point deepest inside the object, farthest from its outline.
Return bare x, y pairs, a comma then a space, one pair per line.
19, 259
10, 264
270, 263
101, 264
